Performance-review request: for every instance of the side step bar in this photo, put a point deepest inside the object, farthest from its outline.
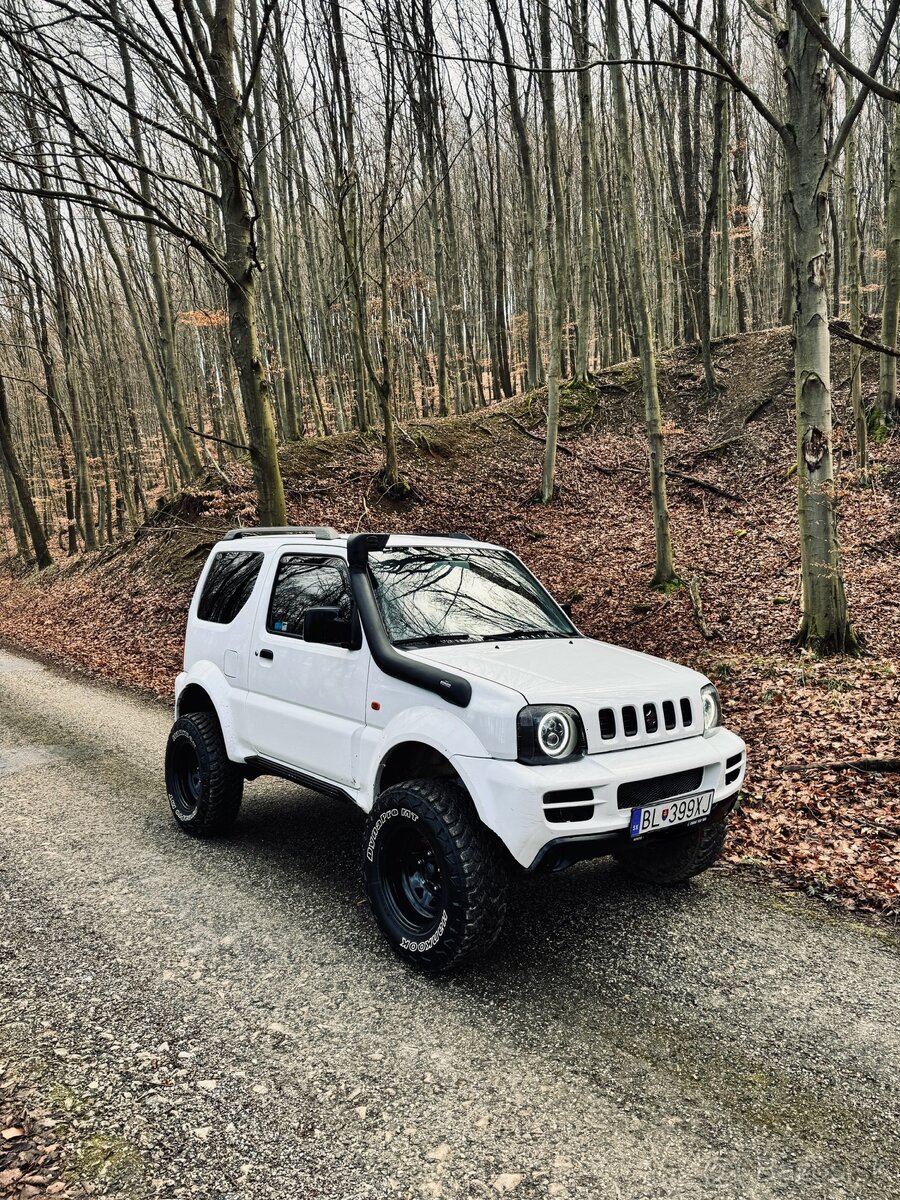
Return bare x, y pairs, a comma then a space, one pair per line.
256, 766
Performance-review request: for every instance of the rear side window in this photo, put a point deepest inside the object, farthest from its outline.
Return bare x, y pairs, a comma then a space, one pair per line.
229, 583
306, 581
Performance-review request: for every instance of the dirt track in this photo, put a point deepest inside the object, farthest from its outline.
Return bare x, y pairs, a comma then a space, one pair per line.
228, 1015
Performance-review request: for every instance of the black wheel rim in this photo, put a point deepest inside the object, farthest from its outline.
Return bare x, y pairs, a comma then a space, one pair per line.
413, 878
188, 789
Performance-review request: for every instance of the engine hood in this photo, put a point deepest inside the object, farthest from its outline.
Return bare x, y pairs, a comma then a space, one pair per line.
568, 671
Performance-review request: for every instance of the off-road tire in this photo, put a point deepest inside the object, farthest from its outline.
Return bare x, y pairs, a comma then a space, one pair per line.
674, 859
467, 904
204, 798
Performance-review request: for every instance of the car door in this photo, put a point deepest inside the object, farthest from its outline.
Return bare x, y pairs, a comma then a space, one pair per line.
306, 703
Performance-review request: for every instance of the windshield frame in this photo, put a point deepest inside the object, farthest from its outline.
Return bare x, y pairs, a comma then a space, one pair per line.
557, 623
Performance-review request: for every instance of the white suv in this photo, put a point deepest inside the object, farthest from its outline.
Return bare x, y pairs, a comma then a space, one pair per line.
436, 684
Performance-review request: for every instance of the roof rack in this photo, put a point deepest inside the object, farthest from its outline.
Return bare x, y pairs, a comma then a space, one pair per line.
323, 533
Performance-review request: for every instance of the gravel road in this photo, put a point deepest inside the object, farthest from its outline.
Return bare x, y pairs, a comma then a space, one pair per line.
227, 1018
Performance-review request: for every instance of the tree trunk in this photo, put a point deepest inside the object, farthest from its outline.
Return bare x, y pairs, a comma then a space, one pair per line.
825, 624
166, 324
558, 276
578, 18
851, 233
529, 213
20, 533
665, 566
719, 151
23, 491
240, 256
887, 378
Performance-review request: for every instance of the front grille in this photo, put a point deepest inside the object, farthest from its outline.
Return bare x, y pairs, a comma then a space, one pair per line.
652, 719
648, 791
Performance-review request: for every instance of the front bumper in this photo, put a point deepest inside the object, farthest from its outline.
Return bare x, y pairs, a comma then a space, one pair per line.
509, 796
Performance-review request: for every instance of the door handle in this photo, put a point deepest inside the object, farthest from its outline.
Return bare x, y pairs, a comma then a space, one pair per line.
267, 654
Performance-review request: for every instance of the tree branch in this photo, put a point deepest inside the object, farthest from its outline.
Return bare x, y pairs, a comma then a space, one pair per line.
880, 51
870, 83
840, 329
731, 74
208, 437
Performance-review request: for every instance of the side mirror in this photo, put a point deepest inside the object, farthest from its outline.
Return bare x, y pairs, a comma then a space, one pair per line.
326, 627
567, 608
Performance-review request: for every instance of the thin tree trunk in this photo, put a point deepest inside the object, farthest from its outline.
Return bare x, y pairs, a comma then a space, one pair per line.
578, 17
851, 233
887, 377
665, 566
166, 323
23, 491
529, 195
558, 275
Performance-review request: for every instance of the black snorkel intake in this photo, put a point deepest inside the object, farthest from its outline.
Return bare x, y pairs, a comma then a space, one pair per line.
452, 688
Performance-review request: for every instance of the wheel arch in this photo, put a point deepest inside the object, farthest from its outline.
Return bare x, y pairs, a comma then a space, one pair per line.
194, 698
412, 759
206, 689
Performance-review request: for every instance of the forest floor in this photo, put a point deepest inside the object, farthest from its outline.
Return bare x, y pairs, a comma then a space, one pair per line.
806, 817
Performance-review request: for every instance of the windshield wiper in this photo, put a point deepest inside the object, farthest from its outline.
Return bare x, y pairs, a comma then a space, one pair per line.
434, 639
514, 634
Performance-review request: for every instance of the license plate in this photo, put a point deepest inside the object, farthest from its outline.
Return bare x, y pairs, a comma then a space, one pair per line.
670, 812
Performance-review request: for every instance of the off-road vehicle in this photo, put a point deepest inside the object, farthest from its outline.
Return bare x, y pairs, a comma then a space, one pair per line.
433, 682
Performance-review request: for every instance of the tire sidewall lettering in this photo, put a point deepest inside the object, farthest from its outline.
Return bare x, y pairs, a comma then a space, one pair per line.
429, 943
377, 828
177, 735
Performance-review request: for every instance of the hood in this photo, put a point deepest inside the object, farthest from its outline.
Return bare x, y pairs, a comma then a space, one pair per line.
569, 671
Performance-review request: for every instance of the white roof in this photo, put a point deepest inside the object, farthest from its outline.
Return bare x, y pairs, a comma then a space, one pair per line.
338, 543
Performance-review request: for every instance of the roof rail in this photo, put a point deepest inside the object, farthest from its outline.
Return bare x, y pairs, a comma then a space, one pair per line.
324, 533
457, 537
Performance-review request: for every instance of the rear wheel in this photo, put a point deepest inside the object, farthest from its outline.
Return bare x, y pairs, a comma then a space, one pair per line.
433, 875
204, 786
674, 858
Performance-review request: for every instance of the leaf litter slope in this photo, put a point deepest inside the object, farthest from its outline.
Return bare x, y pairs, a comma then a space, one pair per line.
831, 829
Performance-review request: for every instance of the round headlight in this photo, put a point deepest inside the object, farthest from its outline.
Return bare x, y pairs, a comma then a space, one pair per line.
556, 734
712, 710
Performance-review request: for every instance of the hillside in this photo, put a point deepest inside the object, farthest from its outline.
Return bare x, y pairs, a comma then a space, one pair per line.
835, 831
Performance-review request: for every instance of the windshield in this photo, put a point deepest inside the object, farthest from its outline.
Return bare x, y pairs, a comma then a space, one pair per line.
428, 596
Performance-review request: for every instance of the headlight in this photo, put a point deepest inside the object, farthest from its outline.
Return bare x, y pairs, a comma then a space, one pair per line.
712, 709
549, 733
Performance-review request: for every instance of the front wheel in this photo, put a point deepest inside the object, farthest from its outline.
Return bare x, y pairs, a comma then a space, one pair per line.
204, 785
674, 858
433, 874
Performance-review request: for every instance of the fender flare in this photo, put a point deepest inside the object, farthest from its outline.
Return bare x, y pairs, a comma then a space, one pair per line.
441, 731
209, 677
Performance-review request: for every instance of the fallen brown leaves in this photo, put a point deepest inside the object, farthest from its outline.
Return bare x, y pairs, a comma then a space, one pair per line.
832, 832
32, 1147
